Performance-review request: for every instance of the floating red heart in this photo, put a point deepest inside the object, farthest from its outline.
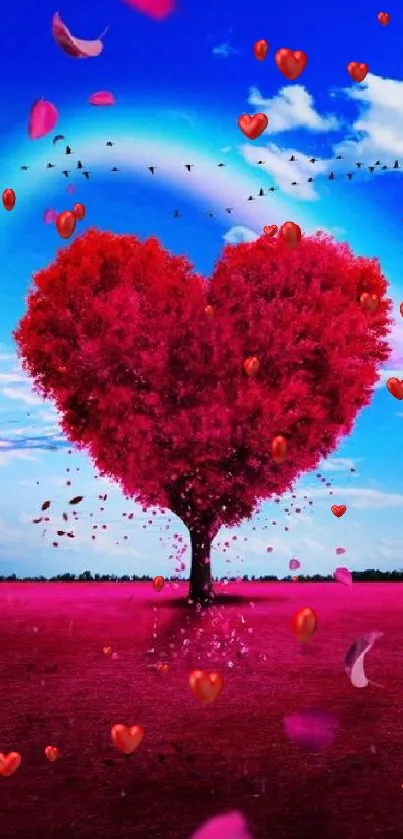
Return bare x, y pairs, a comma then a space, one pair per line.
126, 739
209, 311
383, 18
357, 71
79, 211
9, 763
162, 667
270, 230
260, 49
291, 234
206, 686
338, 510
253, 126
291, 63
395, 387
66, 224
52, 753
251, 365
369, 302
401, 309
8, 199
279, 448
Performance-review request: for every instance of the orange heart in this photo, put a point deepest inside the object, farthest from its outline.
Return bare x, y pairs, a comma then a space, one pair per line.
270, 230
162, 667
126, 739
9, 763
206, 686
107, 650
52, 753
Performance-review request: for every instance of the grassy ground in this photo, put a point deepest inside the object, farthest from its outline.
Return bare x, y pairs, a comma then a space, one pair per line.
58, 687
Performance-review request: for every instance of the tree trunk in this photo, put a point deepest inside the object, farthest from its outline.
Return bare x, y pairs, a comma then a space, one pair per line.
201, 582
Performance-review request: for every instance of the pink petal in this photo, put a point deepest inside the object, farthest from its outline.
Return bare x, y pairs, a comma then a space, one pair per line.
102, 97
294, 564
343, 575
42, 119
228, 826
75, 47
49, 216
157, 9
340, 551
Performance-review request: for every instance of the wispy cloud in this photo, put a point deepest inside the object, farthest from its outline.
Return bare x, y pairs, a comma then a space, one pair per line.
21, 395
224, 50
292, 108
337, 464
361, 498
284, 171
239, 234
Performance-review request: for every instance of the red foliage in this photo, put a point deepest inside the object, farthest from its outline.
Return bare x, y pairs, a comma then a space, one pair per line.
156, 391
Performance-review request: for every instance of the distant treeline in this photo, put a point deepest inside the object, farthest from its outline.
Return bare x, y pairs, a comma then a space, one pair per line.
371, 575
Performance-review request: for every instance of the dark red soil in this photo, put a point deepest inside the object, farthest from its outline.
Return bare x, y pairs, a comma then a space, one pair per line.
58, 687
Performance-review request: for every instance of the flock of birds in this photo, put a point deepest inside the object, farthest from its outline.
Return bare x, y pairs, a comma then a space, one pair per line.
377, 166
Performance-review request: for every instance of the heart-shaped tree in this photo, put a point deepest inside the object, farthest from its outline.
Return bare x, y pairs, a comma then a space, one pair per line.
153, 384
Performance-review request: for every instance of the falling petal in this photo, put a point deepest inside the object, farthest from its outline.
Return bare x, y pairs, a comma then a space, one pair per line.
294, 564
340, 551
50, 216
42, 119
156, 9
228, 826
354, 660
75, 47
343, 575
102, 97
312, 729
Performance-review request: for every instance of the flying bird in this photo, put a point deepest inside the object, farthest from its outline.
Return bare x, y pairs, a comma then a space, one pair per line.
396, 165
57, 138
50, 165
68, 150
152, 169
221, 164
292, 158
331, 177
260, 162
188, 166
176, 214
24, 168
79, 164
358, 165
294, 183
313, 160
115, 169
109, 143
229, 210
261, 192
65, 173
86, 175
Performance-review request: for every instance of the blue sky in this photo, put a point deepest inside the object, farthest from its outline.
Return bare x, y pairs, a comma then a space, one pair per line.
180, 87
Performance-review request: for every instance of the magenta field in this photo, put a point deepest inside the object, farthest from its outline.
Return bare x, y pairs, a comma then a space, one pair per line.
58, 686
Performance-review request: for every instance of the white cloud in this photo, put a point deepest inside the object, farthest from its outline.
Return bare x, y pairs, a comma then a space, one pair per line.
240, 234
337, 464
378, 129
15, 454
360, 498
11, 378
291, 108
224, 50
21, 395
284, 171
